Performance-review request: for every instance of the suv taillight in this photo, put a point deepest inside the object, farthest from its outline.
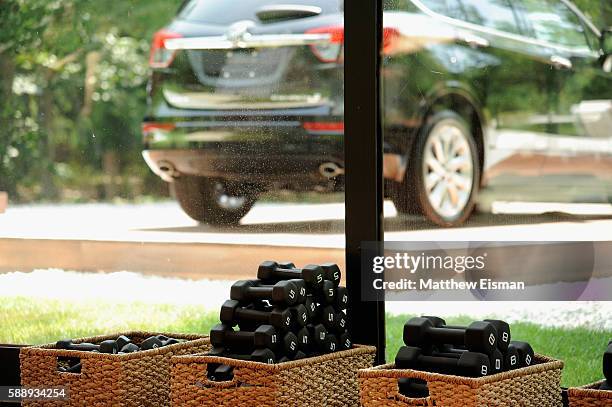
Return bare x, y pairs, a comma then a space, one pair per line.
333, 50
160, 56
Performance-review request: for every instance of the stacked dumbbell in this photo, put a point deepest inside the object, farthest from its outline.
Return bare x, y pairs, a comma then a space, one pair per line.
121, 345
607, 369
286, 314
480, 349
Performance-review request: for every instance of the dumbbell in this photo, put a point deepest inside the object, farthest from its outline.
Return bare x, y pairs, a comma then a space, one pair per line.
469, 364
318, 333
264, 337
503, 333
300, 315
129, 348
332, 273
345, 342
108, 346
330, 344
271, 271
605, 386
305, 341
298, 356
413, 388
607, 362
525, 352
122, 341
282, 293
496, 359
302, 292
72, 369
152, 342
232, 314
478, 337
258, 355
326, 293
222, 373
334, 321
313, 307
512, 359
342, 298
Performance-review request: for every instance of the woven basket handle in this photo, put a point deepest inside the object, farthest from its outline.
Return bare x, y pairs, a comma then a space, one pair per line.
410, 401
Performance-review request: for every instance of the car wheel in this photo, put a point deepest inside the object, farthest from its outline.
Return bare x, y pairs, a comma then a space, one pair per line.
445, 170
213, 201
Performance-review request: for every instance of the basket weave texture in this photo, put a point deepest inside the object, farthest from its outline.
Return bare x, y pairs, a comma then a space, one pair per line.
538, 385
327, 380
589, 396
133, 379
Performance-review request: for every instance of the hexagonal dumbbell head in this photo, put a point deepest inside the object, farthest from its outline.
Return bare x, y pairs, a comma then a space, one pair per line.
342, 298
481, 336
304, 340
109, 346
263, 356
327, 292
302, 293
122, 341
511, 359
129, 348
151, 343
607, 363
313, 307
265, 337
330, 344
318, 333
290, 344
345, 341
300, 315
332, 273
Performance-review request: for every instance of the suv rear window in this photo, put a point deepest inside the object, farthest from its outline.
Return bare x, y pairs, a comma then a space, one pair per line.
218, 12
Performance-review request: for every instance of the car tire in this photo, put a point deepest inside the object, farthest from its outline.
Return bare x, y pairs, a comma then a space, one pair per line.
443, 175
213, 201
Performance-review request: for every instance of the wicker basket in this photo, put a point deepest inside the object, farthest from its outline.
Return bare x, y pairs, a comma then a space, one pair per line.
538, 385
589, 396
322, 381
133, 379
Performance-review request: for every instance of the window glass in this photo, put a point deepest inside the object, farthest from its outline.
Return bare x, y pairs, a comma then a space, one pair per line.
554, 22
450, 8
497, 14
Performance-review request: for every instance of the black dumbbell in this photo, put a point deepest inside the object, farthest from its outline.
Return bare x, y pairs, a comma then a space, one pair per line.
479, 336
436, 321
469, 364
312, 274
330, 344
313, 307
326, 294
305, 341
72, 369
108, 346
605, 386
152, 342
503, 333
512, 359
302, 291
258, 355
332, 273
525, 352
413, 388
318, 333
282, 293
345, 342
331, 319
166, 341
342, 298
300, 315
129, 348
496, 359
264, 337
122, 341
607, 363
222, 373
232, 314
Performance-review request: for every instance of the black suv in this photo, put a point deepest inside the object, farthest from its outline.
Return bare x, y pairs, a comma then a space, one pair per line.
514, 96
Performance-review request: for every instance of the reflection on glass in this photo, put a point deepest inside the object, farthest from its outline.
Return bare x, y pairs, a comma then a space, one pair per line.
479, 117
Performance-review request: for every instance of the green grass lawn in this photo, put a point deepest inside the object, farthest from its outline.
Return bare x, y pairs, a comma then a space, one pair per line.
24, 320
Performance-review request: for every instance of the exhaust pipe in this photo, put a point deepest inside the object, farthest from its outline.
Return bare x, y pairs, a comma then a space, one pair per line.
331, 170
